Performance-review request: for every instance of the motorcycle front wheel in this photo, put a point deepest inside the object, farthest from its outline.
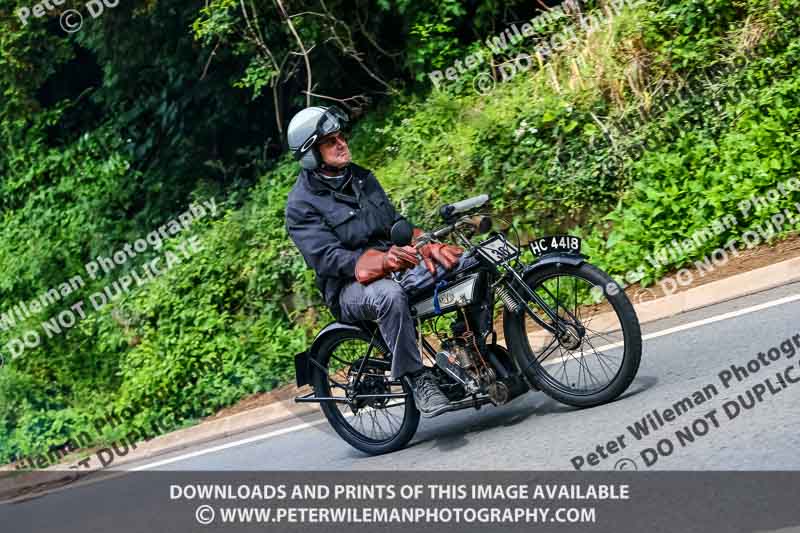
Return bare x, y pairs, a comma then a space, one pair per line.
598, 355
370, 422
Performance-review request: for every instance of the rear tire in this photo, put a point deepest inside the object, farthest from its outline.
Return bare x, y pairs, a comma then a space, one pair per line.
514, 325
340, 423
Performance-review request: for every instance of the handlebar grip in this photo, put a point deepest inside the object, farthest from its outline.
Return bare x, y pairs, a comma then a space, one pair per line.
464, 205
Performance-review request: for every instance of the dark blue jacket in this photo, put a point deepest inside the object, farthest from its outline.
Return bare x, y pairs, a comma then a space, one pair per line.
332, 229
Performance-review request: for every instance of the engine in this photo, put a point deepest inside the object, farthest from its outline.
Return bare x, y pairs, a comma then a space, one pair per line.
461, 358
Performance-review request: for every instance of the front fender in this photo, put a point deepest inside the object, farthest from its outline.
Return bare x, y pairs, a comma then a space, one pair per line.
555, 258
302, 366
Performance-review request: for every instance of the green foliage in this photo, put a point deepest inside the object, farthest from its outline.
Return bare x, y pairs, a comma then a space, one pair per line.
233, 339
707, 171
171, 111
432, 42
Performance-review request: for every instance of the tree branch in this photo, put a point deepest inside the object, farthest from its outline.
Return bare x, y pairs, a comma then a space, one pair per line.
302, 49
359, 99
210, 57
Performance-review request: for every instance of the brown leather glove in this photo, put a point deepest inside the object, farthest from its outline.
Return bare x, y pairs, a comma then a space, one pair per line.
444, 254
437, 252
374, 264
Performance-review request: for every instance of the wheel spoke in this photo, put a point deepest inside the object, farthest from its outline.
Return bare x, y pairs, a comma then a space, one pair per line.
598, 334
600, 356
554, 341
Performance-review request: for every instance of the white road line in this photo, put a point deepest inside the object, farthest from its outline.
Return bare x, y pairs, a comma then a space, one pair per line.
233, 444
725, 316
669, 331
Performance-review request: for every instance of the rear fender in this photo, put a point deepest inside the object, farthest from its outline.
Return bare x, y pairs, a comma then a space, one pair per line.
302, 360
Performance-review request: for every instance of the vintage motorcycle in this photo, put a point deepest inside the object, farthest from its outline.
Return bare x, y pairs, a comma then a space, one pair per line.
569, 330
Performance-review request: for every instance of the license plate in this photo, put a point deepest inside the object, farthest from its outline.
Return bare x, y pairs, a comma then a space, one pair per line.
499, 249
556, 243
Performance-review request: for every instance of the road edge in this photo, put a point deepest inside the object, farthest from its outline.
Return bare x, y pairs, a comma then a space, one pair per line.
715, 292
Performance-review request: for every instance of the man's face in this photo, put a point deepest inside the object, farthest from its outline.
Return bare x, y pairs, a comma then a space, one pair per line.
334, 150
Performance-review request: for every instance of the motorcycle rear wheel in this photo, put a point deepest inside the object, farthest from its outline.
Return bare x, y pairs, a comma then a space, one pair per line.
373, 426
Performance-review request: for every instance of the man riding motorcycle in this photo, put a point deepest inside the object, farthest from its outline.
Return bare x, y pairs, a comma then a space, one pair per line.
339, 217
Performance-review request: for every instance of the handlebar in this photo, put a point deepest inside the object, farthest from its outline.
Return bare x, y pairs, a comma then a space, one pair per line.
443, 232
449, 210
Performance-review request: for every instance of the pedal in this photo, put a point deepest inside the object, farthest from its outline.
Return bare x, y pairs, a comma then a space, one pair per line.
466, 403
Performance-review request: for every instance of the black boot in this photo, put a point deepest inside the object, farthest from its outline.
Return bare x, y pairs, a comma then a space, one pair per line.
430, 400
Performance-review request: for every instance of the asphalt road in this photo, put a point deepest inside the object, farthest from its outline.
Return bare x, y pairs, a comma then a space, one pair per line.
534, 432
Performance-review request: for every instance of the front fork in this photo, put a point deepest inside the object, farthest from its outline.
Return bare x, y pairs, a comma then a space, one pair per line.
561, 329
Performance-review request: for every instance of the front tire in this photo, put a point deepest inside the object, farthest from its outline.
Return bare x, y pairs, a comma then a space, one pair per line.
339, 353
524, 335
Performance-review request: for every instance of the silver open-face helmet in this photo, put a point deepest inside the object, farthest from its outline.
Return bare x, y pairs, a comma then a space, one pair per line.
309, 126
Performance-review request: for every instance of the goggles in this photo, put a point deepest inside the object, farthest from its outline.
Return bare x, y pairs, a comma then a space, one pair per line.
333, 120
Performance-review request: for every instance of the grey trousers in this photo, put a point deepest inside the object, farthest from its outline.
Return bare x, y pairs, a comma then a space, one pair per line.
386, 302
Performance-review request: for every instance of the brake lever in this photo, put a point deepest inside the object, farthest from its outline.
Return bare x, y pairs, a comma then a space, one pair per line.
437, 235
